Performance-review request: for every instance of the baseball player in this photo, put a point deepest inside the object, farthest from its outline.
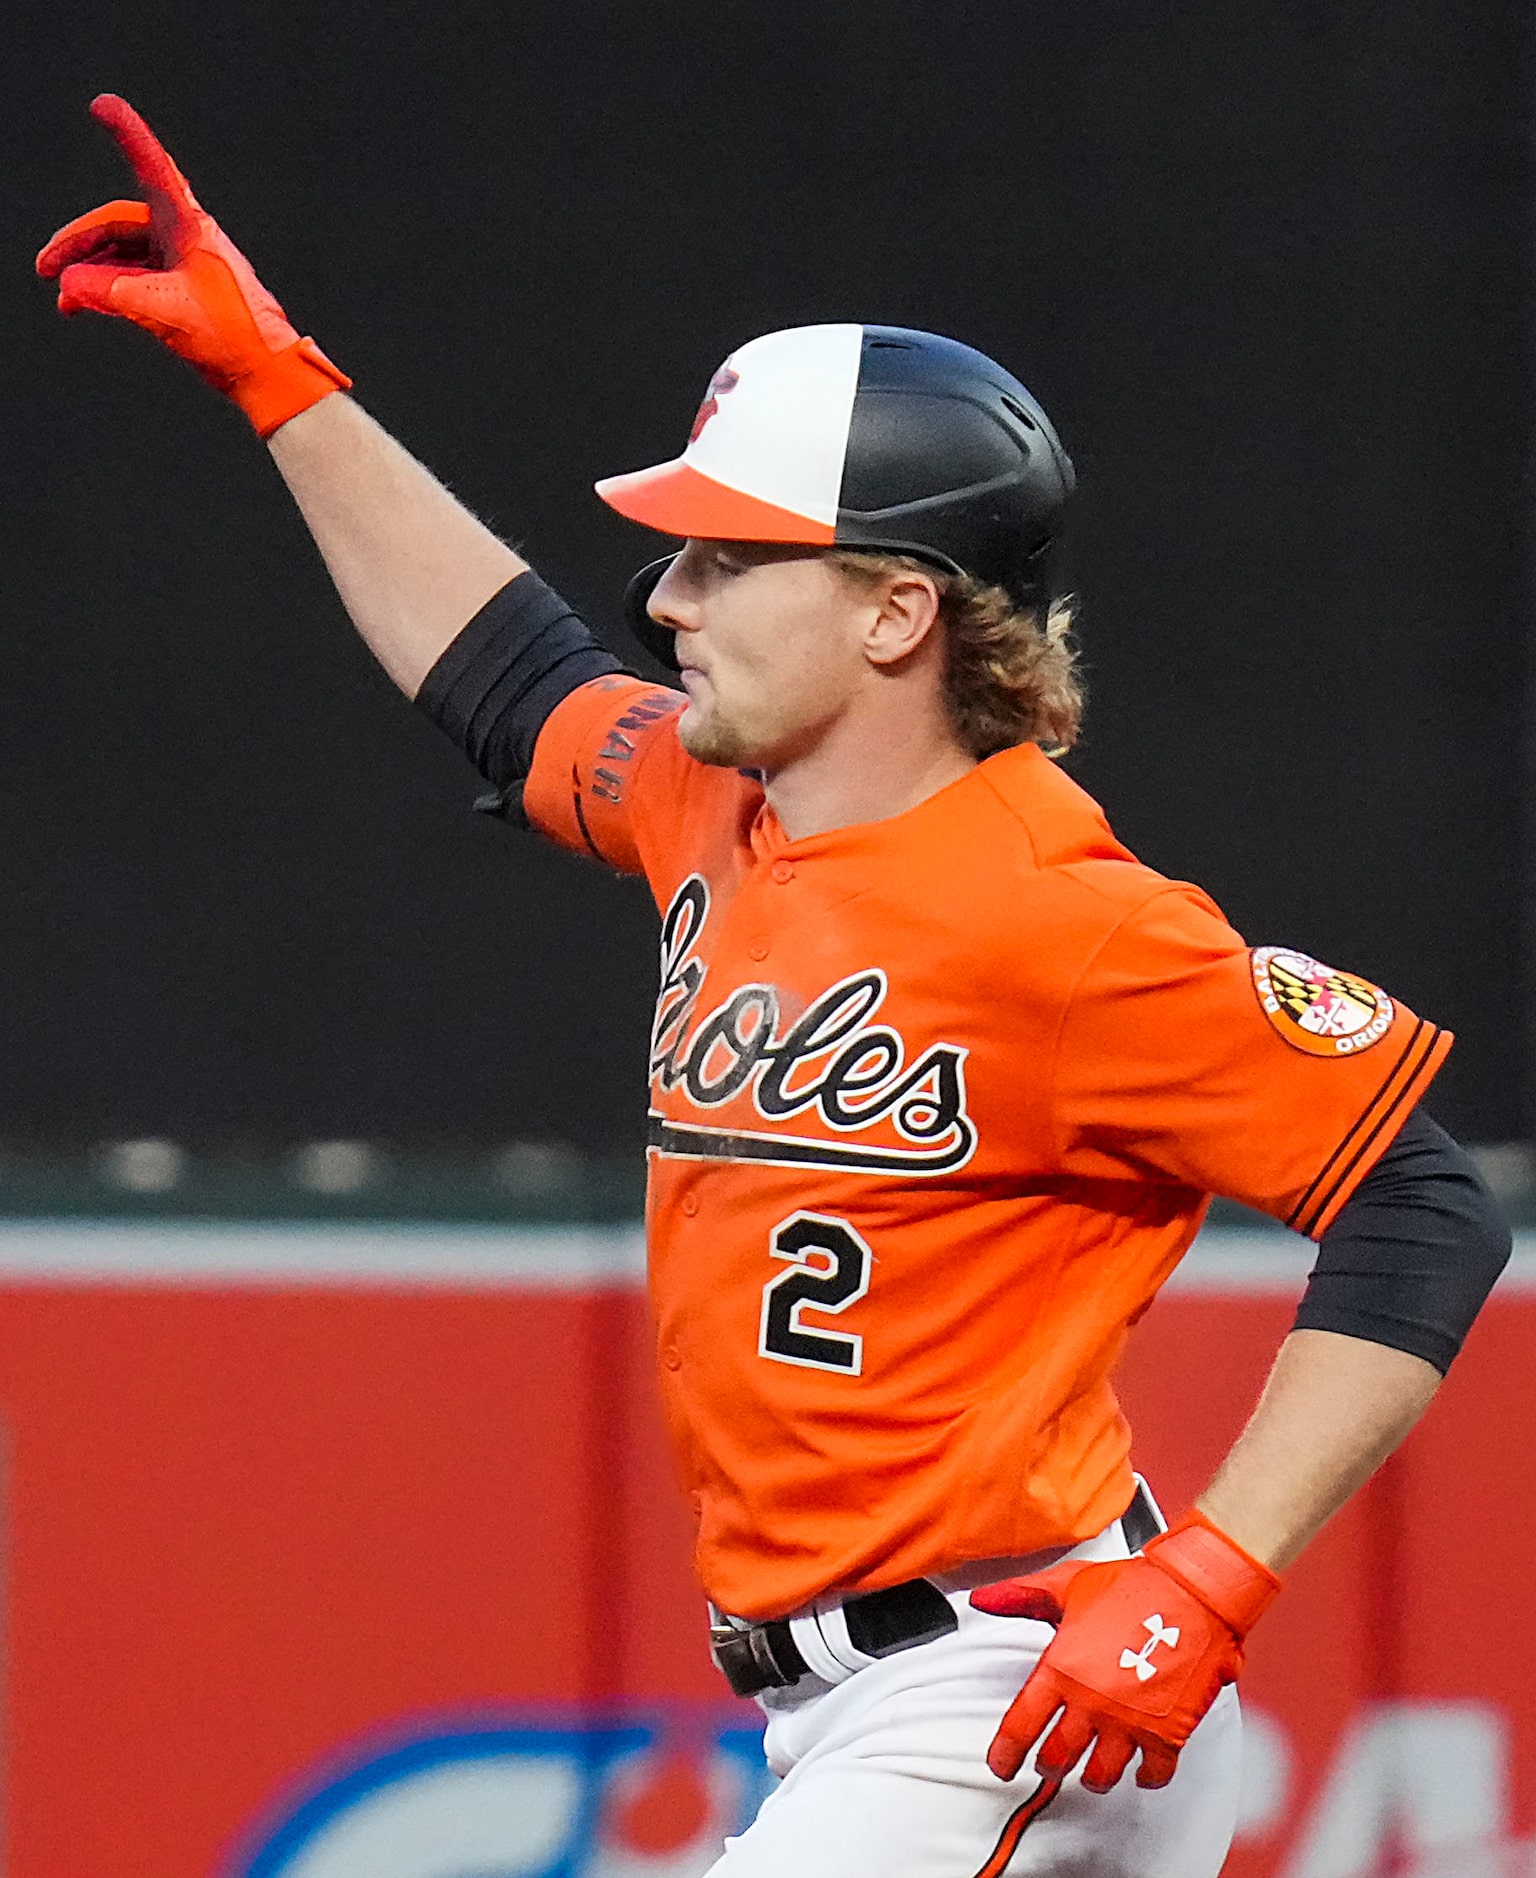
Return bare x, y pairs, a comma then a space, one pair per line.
942, 1078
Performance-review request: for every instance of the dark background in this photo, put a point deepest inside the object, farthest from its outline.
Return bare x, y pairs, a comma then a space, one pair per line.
1266, 266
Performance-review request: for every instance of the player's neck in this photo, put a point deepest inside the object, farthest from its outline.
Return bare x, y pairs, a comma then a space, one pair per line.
867, 768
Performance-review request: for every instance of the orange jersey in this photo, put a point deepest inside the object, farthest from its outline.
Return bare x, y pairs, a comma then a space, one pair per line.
937, 1103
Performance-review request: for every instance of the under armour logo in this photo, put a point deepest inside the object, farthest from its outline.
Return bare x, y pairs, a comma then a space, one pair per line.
1139, 1659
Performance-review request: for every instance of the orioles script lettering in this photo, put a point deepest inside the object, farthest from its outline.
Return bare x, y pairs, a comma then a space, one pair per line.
833, 1064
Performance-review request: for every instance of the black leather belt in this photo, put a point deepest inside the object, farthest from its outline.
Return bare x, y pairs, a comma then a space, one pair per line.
766, 1656
1140, 1522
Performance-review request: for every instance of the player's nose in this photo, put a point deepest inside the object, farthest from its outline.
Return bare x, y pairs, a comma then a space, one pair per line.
674, 598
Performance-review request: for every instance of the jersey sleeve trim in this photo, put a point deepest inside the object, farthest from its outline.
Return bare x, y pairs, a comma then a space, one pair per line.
581, 817
581, 789
647, 708
1374, 1130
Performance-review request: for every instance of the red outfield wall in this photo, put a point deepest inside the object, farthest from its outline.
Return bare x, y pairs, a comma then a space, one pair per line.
378, 1572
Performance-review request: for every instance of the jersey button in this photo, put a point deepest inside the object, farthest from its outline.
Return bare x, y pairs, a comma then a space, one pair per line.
758, 949
783, 871
689, 1204
673, 1357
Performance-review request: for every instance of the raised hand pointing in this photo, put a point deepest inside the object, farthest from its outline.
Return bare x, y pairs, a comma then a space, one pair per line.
164, 264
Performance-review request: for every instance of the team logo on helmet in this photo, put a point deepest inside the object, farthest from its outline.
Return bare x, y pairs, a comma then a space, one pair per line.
726, 379
1317, 1009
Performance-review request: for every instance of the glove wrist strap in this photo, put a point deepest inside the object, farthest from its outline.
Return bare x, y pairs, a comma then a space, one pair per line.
1216, 1570
288, 382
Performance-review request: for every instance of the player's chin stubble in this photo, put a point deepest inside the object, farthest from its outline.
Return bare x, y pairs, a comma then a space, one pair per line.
709, 740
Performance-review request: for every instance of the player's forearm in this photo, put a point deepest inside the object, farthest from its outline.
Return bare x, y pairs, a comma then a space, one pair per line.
410, 562
1332, 1411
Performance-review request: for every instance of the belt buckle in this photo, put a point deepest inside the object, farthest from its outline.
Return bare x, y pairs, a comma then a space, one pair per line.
1141, 1521
732, 1650
747, 1659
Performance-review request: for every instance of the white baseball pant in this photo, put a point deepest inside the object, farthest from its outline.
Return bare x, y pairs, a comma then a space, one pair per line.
884, 1775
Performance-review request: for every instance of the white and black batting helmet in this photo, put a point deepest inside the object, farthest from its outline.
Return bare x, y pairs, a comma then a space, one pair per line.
873, 437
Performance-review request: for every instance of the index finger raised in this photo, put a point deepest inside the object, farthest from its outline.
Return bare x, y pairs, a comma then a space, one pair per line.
170, 195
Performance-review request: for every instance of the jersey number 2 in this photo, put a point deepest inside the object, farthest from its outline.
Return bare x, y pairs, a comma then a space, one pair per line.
829, 1271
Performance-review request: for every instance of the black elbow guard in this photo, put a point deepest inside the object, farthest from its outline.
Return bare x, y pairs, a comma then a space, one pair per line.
494, 686
1414, 1251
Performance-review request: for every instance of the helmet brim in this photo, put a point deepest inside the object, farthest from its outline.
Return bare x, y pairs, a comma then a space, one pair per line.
676, 499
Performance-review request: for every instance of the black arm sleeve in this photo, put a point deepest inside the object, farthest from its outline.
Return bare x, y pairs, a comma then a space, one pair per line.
494, 686
1413, 1252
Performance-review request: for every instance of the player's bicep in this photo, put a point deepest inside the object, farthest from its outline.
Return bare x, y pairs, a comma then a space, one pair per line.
1260, 1074
549, 716
494, 686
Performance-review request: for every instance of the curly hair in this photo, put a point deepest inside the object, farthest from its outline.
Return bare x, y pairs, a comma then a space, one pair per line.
1010, 676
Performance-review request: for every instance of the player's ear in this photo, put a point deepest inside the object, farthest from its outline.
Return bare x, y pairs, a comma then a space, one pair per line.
905, 613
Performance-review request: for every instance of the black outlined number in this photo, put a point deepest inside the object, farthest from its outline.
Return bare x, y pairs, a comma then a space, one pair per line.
829, 1270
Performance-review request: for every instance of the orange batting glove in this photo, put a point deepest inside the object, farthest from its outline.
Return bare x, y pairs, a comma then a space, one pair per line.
1143, 1647
166, 265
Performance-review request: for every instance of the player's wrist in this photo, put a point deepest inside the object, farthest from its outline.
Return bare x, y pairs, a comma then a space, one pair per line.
286, 383
1212, 1567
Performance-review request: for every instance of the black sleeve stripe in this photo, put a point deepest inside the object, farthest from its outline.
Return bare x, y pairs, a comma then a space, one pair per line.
1387, 1123
581, 817
1382, 1115
1365, 1114
1390, 1119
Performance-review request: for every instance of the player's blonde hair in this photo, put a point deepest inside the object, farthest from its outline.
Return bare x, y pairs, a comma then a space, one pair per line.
1010, 676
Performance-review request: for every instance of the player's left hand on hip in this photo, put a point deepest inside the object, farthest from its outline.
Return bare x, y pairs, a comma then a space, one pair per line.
166, 265
1143, 1647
